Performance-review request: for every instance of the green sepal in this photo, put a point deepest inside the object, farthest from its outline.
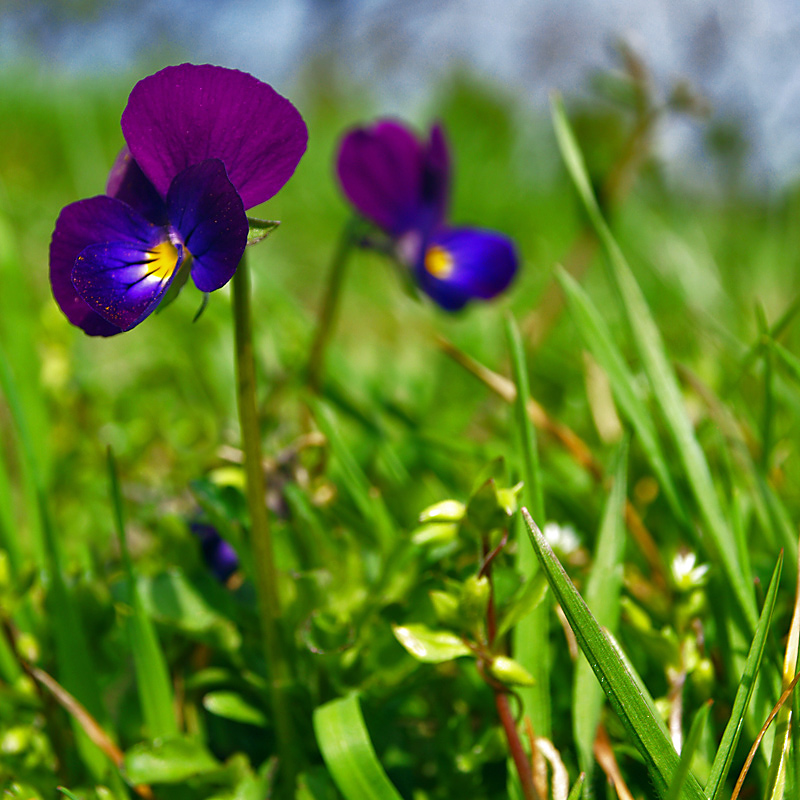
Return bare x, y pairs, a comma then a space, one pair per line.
259, 229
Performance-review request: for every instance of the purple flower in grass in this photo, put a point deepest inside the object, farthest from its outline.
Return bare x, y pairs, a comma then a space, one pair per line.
218, 555
402, 185
203, 144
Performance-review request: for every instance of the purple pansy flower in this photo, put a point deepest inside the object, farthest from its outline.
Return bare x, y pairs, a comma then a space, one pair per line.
402, 184
203, 144
218, 554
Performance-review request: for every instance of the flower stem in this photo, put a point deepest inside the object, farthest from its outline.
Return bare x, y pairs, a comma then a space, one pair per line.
266, 575
330, 304
518, 754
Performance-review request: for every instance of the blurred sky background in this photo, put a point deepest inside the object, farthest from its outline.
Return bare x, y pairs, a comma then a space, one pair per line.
741, 55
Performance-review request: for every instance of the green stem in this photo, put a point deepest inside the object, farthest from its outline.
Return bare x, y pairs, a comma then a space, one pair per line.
330, 304
266, 575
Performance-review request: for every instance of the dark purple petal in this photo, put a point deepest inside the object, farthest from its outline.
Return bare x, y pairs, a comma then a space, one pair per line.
125, 281
88, 222
186, 114
206, 210
128, 183
218, 555
436, 176
392, 178
461, 264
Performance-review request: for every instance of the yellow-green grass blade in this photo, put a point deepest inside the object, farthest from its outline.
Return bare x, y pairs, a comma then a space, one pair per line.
349, 755
661, 376
625, 693
688, 751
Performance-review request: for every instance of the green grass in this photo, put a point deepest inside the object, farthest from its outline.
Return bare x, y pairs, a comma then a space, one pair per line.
692, 319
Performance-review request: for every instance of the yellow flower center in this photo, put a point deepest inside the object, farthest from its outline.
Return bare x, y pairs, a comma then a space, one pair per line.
164, 259
439, 262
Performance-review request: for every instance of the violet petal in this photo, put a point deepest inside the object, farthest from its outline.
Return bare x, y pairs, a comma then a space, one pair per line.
461, 264
186, 114
87, 222
125, 281
206, 210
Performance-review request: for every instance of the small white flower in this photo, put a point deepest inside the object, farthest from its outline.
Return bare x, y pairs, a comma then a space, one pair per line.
562, 538
686, 572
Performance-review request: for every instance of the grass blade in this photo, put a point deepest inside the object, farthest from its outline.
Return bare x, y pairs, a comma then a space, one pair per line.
531, 636
349, 755
152, 675
602, 597
597, 338
623, 691
688, 751
730, 738
661, 376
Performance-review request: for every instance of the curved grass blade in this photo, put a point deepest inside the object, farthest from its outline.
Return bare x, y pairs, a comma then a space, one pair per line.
730, 738
602, 597
623, 691
152, 676
661, 377
531, 637
348, 752
688, 751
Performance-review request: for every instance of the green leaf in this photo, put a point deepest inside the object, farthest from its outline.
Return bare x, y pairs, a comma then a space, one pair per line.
528, 599
345, 745
233, 706
624, 691
259, 229
603, 590
150, 665
662, 378
730, 738
170, 599
429, 646
168, 761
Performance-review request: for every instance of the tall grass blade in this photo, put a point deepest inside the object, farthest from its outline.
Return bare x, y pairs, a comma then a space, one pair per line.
152, 675
624, 692
730, 738
531, 636
597, 338
661, 376
603, 599
349, 755
688, 751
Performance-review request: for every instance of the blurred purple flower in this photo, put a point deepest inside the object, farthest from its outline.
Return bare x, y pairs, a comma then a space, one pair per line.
218, 555
203, 144
402, 184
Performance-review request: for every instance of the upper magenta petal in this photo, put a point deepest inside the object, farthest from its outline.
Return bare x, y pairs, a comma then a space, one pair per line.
394, 179
186, 114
